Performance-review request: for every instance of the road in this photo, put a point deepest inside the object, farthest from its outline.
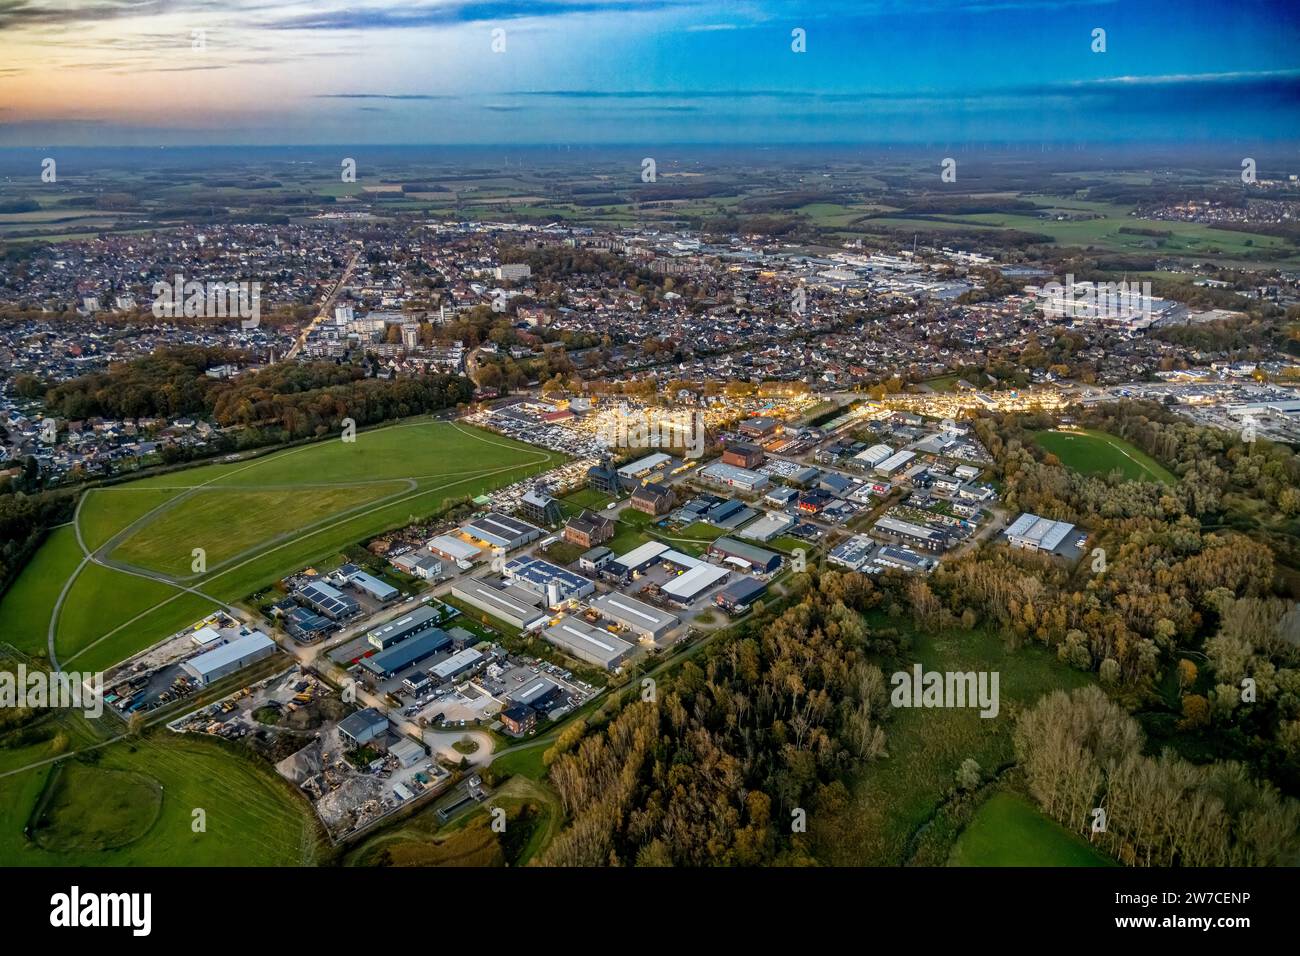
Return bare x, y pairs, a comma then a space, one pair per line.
326, 309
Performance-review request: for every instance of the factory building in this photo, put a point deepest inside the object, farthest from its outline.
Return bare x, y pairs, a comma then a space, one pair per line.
637, 616
517, 606
367, 583
593, 645
551, 581
767, 527
453, 549
729, 476
894, 462
854, 554
217, 663
745, 555
685, 588
738, 596
931, 539
1033, 533
501, 531
411, 651
363, 726
394, 632
328, 600
459, 663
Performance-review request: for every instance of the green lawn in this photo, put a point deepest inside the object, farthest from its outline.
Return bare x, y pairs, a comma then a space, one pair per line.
253, 818
27, 605
225, 522
1009, 831
1097, 453
264, 517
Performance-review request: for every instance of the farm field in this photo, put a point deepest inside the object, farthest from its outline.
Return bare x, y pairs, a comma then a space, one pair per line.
1097, 453
1009, 831
257, 519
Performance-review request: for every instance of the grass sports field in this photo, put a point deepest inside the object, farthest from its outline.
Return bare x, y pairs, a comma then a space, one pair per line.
1009, 831
1097, 453
255, 520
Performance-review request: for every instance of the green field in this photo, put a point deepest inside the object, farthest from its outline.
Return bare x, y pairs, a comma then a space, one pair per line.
256, 520
1009, 831
897, 813
132, 802
1097, 453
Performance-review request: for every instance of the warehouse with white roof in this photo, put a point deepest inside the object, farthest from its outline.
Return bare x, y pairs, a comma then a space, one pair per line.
636, 616
514, 605
1034, 533
685, 588
593, 645
228, 658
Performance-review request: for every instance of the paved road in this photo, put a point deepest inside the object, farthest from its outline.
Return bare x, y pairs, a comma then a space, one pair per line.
326, 307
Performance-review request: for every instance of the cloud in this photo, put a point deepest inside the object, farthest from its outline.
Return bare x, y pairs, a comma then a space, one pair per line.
383, 96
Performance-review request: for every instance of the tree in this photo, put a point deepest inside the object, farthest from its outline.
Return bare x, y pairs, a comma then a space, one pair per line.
969, 774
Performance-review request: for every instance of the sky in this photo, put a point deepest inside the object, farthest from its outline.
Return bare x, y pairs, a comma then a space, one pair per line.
240, 72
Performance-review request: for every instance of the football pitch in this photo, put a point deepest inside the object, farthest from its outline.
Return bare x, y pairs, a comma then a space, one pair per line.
123, 576
1097, 453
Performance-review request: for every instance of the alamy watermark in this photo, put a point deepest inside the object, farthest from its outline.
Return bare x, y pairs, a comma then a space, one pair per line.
921, 688
209, 300
1098, 300
656, 429
38, 689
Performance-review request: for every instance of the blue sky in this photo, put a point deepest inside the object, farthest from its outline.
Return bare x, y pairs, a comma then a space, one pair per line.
140, 72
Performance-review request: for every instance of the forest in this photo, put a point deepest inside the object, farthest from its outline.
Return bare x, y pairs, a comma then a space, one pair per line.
284, 401
716, 768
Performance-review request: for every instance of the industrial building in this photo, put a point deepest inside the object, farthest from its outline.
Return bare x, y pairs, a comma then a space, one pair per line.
902, 559
595, 559
729, 476
639, 469
501, 531
638, 559
743, 455
535, 693
540, 507
410, 651
551, 581
873, 456
746, 555
593, 645
636, 616
363, 581
423, 566
363, 726
894, 462
588, 529
767, 527
653, 498
1033, 533
854, 554
459, 663
217, 663
685, 588
328, 600
517, 606
738, 596
604, 478
759, 427
931, 539
394, 632
453, 549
